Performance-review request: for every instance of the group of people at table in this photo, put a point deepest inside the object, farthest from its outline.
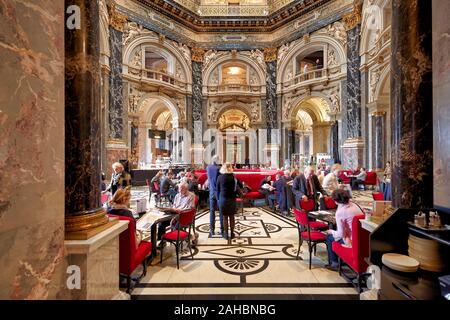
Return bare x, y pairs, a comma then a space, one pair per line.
225, 188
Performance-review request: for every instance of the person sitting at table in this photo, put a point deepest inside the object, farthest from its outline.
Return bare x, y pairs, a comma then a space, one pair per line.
119, 205
168, 186
345, 212
157, 177
192, 181
266, 188
306, 186
331, 183
359, 179
280, 186
183, 201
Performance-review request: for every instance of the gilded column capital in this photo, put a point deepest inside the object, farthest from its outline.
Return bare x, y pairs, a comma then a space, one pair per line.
270, 54
352, 19
378, 113
116, 20
197, 54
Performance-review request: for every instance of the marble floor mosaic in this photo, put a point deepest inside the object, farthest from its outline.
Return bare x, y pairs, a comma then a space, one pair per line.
260, 263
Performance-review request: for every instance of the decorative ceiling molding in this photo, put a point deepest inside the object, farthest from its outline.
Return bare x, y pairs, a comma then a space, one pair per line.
199, 23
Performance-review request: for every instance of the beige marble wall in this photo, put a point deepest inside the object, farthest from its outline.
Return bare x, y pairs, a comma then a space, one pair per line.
321, 138
32, 257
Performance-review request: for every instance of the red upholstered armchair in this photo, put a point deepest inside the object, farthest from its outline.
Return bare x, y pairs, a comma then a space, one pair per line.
378, 196
130, 256
355, 256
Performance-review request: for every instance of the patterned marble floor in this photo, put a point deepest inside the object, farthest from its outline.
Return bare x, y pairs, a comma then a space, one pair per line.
260, 263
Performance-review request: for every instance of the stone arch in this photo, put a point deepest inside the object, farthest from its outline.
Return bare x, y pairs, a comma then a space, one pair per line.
230, 106
147, 112
240, 58
166, 48
383, 82
301, 47
317, 114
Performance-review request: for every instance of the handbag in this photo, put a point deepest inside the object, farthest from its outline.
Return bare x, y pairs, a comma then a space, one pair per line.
238, 190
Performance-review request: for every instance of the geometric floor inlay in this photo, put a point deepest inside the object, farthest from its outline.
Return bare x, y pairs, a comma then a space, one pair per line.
259, 262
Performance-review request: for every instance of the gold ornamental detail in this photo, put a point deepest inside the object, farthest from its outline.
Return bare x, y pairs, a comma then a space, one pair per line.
86, 221
197, 54
270, 54
352, 19
116, 20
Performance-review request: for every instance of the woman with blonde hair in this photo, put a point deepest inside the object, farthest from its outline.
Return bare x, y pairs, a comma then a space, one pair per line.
120, 203
227, 186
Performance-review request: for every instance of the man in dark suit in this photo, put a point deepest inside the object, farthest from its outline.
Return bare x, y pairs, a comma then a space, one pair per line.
306, 186
280, 187
213, 173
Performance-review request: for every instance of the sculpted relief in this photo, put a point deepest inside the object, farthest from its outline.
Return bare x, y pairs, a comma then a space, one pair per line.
133, 100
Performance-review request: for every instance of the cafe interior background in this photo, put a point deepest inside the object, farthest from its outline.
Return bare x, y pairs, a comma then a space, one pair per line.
158, 84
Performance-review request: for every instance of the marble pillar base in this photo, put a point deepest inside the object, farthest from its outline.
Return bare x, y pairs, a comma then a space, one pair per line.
353, 153
98, 260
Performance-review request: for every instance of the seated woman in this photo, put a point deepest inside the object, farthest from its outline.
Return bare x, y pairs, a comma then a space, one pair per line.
346, 210
119, 205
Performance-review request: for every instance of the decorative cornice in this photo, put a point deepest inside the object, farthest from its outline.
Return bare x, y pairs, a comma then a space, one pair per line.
116, 20
378, 113
352, 19
236, 23
197, 54
270, 54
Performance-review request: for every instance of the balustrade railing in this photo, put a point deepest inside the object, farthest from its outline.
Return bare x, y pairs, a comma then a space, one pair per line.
233, 88
156, 76
316, 74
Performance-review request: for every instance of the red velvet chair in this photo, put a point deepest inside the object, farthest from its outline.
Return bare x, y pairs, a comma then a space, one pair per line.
355, 256
371, 179
312, 237
330, 204
308, 205
378, 196
176, 237
130, 256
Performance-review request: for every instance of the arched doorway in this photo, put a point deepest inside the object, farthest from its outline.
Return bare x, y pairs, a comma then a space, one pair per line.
308, 130
234, 128
157, 129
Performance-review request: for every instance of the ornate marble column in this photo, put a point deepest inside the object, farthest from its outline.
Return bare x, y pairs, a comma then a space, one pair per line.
379, 140
353, 148
411, 102
134, 148
197, 103
270, 56
82, 121
116, 145
334, 141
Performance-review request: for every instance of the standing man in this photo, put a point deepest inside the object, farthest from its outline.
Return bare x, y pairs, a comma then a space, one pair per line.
212, 172
306, 186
